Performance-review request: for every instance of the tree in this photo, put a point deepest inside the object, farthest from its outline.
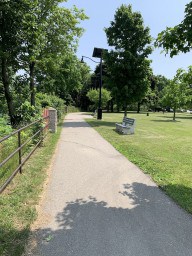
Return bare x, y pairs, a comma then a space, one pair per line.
155, 92
93, 96
187, 78
127, 64
175, 94
179, 38
34, 34
64, 79
10, 25
48, 32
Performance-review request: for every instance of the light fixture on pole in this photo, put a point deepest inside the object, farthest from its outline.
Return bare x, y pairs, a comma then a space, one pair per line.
97, 53
82, 61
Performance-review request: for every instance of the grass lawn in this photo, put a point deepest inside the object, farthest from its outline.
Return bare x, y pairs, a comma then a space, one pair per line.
160, 147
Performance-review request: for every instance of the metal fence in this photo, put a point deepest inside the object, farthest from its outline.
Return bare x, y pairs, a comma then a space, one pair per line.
36, 138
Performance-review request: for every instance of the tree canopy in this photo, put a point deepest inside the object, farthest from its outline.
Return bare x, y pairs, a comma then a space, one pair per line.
93, 96
127, 65
176, 93
179, 38
37, 36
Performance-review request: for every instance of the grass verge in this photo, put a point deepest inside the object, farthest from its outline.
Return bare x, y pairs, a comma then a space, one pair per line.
17, 203
160, 147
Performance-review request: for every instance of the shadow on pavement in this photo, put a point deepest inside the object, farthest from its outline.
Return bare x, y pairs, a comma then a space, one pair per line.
77, 124
149, 227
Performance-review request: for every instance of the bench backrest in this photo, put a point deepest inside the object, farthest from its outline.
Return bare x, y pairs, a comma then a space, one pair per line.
129, 121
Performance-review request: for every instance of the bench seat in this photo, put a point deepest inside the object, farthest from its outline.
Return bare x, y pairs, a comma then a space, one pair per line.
127, 126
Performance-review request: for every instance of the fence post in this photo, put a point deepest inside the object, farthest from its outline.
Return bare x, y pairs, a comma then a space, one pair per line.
53, 120
19, 145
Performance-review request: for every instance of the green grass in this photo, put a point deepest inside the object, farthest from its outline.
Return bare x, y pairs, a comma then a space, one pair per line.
161, 147
17, 203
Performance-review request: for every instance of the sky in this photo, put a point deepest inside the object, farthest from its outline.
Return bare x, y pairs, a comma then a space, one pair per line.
157, 15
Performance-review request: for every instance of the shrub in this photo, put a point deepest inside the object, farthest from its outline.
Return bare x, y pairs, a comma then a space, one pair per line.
45, 100
93, 96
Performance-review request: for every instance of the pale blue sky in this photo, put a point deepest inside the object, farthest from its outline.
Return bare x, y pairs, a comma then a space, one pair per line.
157, 16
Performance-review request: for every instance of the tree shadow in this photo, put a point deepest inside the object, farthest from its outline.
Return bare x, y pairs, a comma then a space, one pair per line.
101, 124
177, 117
181, 194
147, 223
13, 240
86, 113
75, 124
166, 121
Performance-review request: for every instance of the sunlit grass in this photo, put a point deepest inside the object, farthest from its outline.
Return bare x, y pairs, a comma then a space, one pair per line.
160, 147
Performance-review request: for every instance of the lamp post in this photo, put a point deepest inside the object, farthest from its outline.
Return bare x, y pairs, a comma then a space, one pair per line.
95, 62
97, 53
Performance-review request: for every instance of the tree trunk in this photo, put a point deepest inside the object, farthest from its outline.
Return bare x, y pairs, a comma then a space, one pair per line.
108, 105
174, 111
118, 108
125, 113
112, 106
32, 82
138, 107
7, 92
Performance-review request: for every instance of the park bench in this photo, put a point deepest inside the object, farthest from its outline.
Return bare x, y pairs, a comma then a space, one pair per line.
127, 126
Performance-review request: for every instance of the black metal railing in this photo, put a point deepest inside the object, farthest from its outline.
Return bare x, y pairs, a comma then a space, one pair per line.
21, 157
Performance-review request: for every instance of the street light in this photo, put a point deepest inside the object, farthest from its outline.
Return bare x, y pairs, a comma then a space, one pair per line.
97, 53
82, 61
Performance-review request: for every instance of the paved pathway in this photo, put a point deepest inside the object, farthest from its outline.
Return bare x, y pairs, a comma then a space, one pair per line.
99, 204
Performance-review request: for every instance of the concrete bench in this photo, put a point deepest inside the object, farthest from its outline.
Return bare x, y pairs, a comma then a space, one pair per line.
127, 126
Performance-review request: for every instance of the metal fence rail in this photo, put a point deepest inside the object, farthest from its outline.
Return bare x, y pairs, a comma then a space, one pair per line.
41, 133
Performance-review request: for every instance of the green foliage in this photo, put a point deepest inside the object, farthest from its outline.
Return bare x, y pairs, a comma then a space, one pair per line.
93, 96
41, 38
19, 90
3, 105
187, 78
179, 38
64, 79
72, 109
127, 66
153, 97
50, 34
4, 127
161, 82
26, 112
175, 94
46, 100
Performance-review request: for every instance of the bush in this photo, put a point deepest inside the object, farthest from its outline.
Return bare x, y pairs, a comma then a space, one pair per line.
93, 96
4, 127
44, 100
71, 109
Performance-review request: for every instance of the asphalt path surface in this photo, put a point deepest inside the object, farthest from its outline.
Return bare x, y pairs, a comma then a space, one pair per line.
97, 203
